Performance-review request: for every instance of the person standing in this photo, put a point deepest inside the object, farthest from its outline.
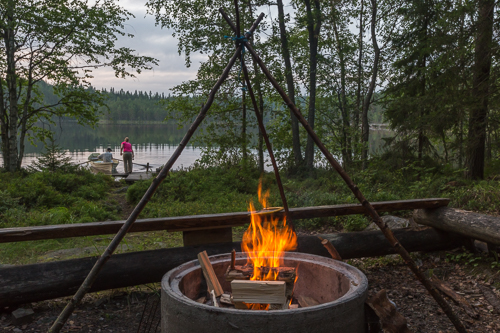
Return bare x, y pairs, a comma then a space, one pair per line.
128, 155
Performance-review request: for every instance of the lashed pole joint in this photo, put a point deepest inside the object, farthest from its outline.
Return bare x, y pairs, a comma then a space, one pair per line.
357, 193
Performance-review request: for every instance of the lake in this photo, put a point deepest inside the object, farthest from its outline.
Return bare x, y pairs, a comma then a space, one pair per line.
152, 143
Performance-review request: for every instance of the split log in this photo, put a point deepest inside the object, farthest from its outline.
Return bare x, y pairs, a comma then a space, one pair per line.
201, 222
226, 299
391, 320
261, 292
37, 282
286, 274
209, 274
474, 225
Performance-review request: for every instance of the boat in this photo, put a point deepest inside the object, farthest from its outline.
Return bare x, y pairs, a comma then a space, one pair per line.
97, 165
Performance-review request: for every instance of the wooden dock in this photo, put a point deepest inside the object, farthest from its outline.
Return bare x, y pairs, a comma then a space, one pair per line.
134, 176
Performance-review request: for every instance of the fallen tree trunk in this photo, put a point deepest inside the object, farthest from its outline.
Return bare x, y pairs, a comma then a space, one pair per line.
473, 225
37, 282
200, 222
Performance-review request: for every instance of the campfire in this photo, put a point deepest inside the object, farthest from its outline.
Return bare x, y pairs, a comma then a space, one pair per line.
295, 292
264, 283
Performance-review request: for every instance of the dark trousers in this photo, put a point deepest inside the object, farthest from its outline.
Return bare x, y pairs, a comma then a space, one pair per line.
127, 161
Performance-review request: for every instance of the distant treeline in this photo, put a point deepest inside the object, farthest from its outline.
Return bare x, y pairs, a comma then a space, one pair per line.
148, 106
136, 106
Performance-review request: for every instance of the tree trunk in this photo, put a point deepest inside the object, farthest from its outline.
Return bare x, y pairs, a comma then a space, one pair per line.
360, 77
313, 27
371, 88
244, 128
11, 80
296, 150
479, 111
473, 225
346, 126
260, 141
4, 121
37, 282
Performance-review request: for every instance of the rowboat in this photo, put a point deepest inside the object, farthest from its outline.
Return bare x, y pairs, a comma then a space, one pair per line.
97, 165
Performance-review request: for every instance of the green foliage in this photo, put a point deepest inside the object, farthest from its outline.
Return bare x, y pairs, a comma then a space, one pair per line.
41, 198
54, 158
474, 260
60, 42
199, 191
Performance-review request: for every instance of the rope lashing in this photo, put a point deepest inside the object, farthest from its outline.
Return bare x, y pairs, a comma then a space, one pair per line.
240, 41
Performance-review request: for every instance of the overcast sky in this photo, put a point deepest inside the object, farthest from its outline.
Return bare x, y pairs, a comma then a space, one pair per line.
149, 40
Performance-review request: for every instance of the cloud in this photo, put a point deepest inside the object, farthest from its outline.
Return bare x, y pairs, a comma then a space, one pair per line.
149, 40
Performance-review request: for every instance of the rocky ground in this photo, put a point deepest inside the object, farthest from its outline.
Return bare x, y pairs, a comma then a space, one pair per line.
122, 310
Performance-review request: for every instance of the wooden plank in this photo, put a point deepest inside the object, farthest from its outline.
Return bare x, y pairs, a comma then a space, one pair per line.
263, 292
37, 282
210, 236
474, 225
136, 176
200, 222
209, 274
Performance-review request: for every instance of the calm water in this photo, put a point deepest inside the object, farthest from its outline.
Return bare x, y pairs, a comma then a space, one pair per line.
152, 143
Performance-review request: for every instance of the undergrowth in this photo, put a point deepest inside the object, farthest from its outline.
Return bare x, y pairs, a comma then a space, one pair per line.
45, 198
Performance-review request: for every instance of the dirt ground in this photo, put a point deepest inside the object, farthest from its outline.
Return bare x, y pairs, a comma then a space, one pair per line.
121, 310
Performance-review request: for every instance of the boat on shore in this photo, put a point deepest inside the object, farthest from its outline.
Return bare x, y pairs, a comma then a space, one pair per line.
97, 165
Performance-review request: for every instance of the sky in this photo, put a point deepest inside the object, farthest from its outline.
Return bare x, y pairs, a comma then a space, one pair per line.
149, 40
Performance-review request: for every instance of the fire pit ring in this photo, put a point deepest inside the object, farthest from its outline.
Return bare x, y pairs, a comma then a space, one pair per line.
340, 288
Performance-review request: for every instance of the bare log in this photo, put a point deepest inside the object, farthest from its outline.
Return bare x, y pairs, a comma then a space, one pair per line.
474, 225
37, 282
200, 222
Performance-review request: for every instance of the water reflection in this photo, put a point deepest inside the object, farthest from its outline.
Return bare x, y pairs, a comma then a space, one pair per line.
152, 143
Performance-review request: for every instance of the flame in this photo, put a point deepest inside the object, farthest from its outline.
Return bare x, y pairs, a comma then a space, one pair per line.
266, 239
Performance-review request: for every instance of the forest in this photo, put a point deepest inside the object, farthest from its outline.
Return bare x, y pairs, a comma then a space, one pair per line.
431, 66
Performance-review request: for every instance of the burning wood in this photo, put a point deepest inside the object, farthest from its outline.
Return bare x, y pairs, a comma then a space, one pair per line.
263, 282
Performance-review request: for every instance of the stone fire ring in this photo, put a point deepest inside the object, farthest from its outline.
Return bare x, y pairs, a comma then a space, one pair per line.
340, 288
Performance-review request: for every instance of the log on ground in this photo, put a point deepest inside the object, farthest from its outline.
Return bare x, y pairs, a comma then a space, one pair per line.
473, 225
37, 282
